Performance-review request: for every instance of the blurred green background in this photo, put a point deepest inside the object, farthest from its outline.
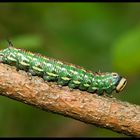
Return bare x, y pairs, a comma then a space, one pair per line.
97, 36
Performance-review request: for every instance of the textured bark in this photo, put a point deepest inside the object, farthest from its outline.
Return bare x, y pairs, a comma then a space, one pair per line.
102, 111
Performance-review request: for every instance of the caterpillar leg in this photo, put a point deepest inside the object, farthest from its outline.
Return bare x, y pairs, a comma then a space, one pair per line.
49, 78
32, 72
100, 92
92, 89
83, 86
63, 81
73, 85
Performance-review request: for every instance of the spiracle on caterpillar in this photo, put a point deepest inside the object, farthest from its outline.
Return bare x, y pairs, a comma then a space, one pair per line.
63, 73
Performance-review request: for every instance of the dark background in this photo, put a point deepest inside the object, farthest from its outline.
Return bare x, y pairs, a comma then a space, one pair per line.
97, 36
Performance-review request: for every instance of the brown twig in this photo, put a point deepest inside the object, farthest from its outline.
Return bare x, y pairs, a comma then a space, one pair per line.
102, 111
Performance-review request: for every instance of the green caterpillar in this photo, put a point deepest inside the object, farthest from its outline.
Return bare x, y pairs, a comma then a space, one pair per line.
64, 74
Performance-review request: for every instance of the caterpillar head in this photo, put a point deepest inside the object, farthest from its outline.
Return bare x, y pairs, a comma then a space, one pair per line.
120, 82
